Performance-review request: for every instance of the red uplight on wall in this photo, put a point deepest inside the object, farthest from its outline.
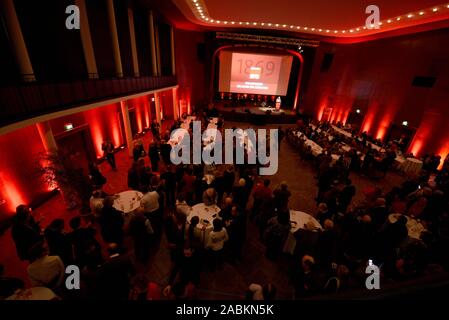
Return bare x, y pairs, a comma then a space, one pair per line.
12, 196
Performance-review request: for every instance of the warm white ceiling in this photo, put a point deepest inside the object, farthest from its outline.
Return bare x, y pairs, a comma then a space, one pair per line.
331, 18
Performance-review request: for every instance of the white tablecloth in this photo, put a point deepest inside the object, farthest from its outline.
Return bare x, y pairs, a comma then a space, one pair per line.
411, 166
341, 131
207, 214
128, 201
414, 227
298, 220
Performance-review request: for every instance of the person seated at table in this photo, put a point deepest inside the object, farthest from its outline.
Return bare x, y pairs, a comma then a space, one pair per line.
323, 213
133, 176
25, 231
210, 197
44, 270
58, 241
195, 235
276, 234
217, 237
257, 292
111, 222
86, 249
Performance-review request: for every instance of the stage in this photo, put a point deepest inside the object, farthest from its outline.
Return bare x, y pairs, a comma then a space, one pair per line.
256, 114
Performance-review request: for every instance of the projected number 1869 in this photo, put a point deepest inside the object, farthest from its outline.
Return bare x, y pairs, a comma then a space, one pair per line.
266, 67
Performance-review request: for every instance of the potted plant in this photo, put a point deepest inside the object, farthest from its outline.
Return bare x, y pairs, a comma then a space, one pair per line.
57, 171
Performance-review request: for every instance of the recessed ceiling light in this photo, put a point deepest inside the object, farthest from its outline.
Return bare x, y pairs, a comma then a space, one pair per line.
195, 1
344, 31
292, 27
207, 19
320, 30
435, 9
398, 18
421, 13
364, 28
218, 21
358, 29
298, 27
232, 22
247, 23
305, 28
410, 15
197, 4
336, 31
351, 31
255, 23
262, 24
388, 21
269, 24
240, 22
328, 31
447, 6
380, 23
313, 29
284, 25
277, 25
225, 22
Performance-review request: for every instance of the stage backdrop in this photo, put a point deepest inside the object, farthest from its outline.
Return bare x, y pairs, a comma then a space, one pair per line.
254, 73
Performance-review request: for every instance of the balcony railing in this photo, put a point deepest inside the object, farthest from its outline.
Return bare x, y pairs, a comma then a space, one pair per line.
32, 99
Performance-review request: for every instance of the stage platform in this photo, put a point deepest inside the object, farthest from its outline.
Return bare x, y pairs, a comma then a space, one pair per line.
257, 115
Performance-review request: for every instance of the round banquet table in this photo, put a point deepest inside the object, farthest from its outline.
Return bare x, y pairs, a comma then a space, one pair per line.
128, 201
414, 227
298, 220
411, 166
207, 214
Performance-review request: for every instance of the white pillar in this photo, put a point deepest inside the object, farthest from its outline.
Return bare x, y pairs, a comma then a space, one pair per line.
47, 137
114, 39
127, 125
175, 104
152, 43
172, 47
157, 104
17, 41
86, 41
132, 37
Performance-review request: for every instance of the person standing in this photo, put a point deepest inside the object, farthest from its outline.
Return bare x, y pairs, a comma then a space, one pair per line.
153, 154
108, 152
25, 232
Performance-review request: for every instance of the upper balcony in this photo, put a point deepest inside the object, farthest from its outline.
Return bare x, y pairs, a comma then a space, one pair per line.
31, 99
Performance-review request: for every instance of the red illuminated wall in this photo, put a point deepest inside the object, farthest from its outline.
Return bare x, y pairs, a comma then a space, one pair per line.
104, 123
18, 184
376, 77
190, 71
